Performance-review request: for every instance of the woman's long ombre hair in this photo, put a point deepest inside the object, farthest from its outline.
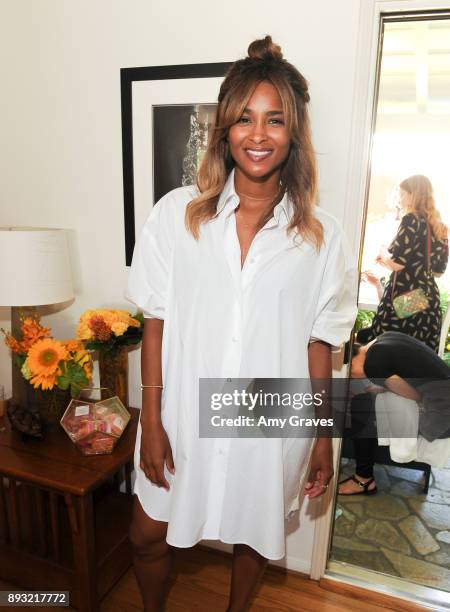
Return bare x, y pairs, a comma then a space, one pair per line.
298, 173
423, 204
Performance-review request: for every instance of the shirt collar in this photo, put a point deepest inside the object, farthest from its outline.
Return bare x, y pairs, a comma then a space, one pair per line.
229, 200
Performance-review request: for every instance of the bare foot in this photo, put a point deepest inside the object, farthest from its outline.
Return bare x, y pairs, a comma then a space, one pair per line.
349, 487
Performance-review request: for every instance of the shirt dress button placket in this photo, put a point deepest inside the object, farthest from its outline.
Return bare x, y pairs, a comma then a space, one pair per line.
232, 364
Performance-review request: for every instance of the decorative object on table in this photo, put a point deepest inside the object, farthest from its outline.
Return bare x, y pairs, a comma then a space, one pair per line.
95, 427
35, 272
111, 332
55, 370
163, 128
26, 420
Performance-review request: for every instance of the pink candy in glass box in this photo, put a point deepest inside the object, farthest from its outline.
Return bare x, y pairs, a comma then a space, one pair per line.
95, 427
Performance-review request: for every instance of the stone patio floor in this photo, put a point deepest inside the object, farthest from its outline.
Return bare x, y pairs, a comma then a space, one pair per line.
399, 531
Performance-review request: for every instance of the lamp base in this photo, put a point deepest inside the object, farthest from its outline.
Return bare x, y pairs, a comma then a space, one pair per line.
19, 384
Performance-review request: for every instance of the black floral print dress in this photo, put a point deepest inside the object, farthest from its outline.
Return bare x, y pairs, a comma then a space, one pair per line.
409, 248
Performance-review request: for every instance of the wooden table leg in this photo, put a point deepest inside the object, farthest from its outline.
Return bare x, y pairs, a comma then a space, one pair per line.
27, 526
40, 516
53, 500
4, 536
81, 516
14, 516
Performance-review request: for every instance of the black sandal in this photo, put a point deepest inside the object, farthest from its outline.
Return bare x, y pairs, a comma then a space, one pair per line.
364, 486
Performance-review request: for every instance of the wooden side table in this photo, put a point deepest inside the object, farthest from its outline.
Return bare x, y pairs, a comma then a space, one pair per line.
63, 519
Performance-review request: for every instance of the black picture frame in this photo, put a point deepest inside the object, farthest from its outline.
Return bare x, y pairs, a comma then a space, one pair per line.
128, 76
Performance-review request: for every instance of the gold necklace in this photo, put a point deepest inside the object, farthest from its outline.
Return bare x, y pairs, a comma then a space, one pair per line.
266, 199
272, 197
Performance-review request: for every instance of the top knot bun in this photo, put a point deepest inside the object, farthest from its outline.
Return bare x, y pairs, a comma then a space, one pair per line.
264, 49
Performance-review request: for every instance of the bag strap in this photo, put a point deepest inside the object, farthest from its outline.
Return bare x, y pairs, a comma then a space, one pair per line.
393, 285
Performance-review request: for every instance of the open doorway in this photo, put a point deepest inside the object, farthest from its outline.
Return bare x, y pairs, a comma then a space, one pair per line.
402, 531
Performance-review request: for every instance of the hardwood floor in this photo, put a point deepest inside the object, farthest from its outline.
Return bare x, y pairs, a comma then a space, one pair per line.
202, 585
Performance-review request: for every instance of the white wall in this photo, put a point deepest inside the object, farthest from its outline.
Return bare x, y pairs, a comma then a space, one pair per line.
60, 120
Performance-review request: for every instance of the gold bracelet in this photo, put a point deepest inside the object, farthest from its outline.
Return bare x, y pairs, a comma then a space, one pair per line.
151, 387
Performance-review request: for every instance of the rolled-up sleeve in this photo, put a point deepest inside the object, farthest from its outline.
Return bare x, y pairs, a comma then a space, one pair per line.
336, 308
150, 268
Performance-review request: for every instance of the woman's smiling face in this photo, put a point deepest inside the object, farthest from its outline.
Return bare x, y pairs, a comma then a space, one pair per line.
259, 141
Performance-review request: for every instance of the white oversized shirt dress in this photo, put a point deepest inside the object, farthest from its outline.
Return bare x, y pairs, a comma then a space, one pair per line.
221, 321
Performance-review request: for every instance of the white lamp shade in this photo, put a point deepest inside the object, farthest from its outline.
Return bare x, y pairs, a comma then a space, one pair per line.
34, 266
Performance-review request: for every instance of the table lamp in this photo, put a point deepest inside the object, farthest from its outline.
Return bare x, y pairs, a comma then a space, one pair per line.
34, 271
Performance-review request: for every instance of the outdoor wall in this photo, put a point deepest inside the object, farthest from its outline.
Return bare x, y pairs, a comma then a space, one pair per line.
61, 132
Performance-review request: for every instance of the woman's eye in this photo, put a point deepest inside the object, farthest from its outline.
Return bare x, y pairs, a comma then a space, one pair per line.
273, 121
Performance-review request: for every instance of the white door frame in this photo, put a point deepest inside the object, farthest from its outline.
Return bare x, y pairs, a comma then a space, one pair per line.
358, 179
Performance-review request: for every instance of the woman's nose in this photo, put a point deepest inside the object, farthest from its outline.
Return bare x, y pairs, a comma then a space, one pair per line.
258, 133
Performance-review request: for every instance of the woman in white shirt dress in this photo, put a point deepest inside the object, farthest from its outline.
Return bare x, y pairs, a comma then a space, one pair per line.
241, 276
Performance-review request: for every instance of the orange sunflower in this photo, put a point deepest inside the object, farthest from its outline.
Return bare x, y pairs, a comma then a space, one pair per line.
44, 357
44, 382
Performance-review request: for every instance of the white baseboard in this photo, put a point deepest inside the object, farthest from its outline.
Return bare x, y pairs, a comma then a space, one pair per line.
289, 562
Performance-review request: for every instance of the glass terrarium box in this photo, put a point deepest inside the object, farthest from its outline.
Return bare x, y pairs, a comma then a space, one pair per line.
95, 427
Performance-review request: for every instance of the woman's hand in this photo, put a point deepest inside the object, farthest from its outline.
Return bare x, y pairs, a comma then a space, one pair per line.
321, 468
370, 278
373, 280
155, 445
155, 453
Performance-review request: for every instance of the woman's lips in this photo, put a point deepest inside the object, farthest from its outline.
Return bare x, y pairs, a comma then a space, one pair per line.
257, 155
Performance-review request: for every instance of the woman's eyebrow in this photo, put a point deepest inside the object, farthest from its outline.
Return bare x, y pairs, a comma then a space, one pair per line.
269, 113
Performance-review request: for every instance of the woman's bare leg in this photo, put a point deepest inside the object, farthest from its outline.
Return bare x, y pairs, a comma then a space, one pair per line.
152, 557
248, 567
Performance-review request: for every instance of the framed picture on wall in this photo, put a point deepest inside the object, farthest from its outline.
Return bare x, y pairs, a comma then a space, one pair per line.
167, 112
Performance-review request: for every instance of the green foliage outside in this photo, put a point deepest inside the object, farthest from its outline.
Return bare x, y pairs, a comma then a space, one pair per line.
445, 297
364, 319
